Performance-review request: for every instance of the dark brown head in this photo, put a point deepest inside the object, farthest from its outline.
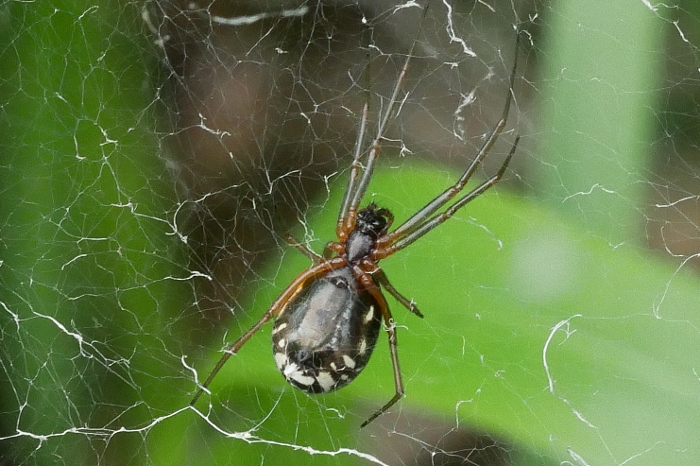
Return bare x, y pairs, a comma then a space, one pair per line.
371, 224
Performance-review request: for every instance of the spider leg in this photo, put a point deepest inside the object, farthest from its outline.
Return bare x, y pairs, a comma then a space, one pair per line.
304, 250
415, 222
391, 331
398, 382
381, 278
333, 247
357, 189
440, 218
280, 303
377, 142
341, 230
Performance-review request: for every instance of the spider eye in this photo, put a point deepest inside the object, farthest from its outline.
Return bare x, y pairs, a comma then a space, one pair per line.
371, 222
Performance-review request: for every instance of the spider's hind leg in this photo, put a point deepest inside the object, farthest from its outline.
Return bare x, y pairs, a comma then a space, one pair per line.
391, 332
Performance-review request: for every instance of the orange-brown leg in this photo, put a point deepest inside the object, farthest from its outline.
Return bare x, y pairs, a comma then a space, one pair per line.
280, 303
374, 290
381, 278
304, 250
333, 247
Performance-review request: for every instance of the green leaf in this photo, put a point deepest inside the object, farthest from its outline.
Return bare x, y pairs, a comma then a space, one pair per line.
534, 332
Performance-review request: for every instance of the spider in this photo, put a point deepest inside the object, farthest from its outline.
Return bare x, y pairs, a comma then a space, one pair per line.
328, 318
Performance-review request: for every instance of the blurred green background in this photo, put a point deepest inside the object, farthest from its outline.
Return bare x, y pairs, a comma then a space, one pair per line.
551, 327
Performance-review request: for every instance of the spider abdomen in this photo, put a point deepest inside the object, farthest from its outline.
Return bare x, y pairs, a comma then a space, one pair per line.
325, 336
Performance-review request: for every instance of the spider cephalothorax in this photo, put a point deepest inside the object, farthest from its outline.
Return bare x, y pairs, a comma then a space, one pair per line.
371, 224
373, 221
328, 319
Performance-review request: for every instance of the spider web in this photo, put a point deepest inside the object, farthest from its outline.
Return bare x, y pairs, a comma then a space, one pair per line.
156, 154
